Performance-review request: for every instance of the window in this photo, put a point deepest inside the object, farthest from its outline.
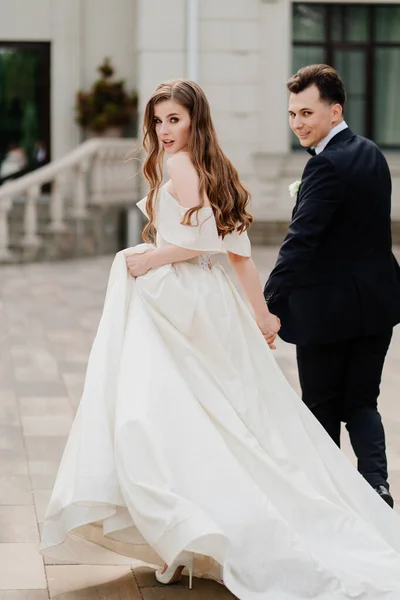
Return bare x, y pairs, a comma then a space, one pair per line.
24, 96
363, 43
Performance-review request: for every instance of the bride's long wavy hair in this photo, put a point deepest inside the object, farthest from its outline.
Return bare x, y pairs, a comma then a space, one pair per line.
218, 178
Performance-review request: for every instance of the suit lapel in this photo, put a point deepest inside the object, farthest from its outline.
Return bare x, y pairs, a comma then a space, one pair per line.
342, 136
296, 203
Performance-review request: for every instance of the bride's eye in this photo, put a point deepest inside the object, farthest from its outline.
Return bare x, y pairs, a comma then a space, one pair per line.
174, 120
157, 121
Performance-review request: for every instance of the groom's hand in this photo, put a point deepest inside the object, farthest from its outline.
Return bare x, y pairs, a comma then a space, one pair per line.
269, 326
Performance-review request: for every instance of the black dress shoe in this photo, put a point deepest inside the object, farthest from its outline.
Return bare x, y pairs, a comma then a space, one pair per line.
385, 495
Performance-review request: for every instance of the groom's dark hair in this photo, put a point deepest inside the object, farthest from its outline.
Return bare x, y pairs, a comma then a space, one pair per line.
327, 80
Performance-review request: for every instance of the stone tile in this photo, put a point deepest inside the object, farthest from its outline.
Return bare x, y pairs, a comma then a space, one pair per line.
227, 68
44, 447
66, 335
11, 438
47, 425
202, 590
15, 490
73, 366
120, 589
24, 595
18, 524
70, 578
8, 397
23, 338
99, 555
59, 321
44, 407
18, 559
40, 388
41, 500
240, 9
42, 348
74, 384
32, 373
12, 462
21, 358
64, 352
6, 372
395, 484
145, 578
240, 36
43, 474
8, 409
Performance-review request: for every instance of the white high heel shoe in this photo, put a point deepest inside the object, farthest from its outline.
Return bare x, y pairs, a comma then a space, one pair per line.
173, 573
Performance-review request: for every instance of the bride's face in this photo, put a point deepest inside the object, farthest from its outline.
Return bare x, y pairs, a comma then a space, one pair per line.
172, 123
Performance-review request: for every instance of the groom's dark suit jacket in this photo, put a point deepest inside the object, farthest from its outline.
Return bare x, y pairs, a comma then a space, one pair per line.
336, 277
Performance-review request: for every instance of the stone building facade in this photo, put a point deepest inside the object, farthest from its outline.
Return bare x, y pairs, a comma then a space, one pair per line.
240, 51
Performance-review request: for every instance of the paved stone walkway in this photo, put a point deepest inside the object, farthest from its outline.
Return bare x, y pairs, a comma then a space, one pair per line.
48, 316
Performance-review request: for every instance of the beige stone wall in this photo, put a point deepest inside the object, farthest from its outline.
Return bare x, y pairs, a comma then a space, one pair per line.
243, 62
23, 20
229, 72
161, 43
244, 52
82, 33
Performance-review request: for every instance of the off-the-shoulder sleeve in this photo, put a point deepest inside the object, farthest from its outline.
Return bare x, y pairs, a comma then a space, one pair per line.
202, 235
142, 206
237, 243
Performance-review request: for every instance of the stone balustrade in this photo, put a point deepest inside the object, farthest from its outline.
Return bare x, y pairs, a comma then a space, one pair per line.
98, 173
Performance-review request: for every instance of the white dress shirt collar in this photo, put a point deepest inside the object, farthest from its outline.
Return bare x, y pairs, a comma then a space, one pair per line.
334, 131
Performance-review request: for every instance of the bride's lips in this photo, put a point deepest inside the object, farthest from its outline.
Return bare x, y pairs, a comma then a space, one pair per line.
168, 143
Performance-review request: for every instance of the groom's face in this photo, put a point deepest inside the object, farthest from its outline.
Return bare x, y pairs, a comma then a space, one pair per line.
311, 118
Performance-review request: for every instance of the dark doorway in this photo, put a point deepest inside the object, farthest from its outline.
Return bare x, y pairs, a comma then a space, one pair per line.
25, 102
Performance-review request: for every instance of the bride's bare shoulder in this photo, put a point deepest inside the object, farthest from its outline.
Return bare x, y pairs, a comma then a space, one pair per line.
184, 179
180, 161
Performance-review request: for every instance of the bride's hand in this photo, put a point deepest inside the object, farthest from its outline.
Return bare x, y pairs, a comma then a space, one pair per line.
269, 326
138, 264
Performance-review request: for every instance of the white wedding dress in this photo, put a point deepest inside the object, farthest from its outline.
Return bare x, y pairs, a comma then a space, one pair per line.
189, 436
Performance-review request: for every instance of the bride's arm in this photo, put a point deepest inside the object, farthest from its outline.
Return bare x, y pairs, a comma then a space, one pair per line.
246, 271
139, 264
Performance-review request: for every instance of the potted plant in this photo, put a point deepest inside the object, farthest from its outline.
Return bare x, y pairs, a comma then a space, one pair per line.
107, 108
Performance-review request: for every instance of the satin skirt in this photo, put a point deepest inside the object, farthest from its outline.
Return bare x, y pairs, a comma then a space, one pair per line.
188, 436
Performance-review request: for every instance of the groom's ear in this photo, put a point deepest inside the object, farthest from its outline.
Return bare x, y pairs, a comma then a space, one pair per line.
337, 112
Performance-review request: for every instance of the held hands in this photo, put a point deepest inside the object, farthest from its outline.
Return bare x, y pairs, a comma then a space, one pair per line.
138, 264
269, 326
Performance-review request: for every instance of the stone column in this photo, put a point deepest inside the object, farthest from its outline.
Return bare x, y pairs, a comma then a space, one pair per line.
65, 74
270, 196
275, 64
230, 75
161, 53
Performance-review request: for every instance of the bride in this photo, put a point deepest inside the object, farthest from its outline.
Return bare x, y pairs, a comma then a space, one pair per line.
189, 447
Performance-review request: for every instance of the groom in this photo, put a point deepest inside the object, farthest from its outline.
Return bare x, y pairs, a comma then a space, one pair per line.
336, 283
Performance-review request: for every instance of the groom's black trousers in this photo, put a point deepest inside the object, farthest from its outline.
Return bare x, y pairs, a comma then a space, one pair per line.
340, 382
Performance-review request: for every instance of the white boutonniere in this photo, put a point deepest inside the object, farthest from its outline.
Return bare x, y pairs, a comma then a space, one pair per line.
294, 188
